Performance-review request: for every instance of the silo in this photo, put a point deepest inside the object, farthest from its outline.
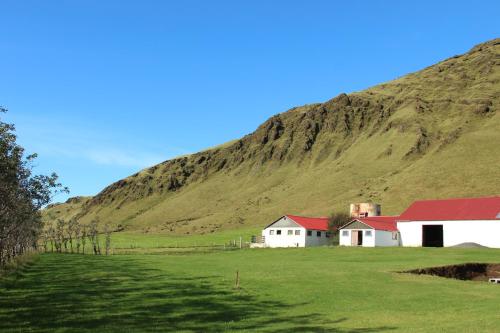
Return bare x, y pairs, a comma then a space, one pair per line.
364, 209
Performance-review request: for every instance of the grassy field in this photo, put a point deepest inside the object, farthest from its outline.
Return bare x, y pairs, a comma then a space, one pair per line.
282, 290
126, 240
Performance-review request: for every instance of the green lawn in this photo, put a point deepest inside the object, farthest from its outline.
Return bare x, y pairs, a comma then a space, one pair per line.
282, 290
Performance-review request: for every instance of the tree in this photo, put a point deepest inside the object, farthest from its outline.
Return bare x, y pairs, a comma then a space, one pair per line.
84, 237
335, 221
60, 239
107, 233
22, 195
70, 231
93, 236
78, 232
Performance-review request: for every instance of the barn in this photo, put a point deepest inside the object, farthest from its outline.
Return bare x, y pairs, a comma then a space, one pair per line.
370, 231
296, 231
451, 222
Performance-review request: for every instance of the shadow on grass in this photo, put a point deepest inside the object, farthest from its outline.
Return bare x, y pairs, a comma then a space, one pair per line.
98, 294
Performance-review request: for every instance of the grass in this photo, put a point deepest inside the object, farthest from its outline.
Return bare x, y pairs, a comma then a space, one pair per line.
282, 290
124, 240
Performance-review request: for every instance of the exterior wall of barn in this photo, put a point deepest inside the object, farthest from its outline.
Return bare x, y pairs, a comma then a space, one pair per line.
286, 233
315, 240
386, 238
483, 232
279, 237
368, 241
377, 238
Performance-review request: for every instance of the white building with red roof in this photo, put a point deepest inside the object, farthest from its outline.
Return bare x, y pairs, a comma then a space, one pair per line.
370, 231
430, 223
296, 231
451, 222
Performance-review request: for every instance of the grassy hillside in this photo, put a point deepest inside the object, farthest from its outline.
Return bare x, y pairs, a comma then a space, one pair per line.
282, 290
429, 134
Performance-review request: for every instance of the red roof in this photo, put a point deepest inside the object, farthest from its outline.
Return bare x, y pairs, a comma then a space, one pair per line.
314, 223
387, 223
453, 209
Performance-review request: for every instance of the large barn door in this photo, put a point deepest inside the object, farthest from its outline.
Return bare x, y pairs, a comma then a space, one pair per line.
432, 235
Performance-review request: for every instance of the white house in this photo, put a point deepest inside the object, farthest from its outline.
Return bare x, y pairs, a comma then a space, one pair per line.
451, 222
296, 231
370, 231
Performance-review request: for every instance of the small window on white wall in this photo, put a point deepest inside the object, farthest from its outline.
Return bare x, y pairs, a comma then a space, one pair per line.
297, 232
290, 232
318, 233
368, 233
271, 232
309, 232
278, 232
345, 233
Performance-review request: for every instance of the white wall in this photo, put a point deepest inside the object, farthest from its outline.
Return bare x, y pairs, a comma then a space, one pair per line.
384, 238
345, 240
378, 238
314, 240
368, 241
484, 232
284, 240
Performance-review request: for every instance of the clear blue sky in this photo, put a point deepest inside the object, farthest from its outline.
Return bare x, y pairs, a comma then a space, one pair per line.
102, 89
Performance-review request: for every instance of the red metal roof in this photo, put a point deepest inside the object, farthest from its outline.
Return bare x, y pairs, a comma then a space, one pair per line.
453, 209
387, 223
314, 223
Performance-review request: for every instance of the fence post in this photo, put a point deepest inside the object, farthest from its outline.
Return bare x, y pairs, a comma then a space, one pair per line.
237, 282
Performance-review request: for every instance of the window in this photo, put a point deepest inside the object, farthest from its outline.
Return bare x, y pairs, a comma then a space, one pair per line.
345, 233
328, 234
368, 233
318, 233
278, 232
271, 232
290, 232
297, 232
395, 235
309, 233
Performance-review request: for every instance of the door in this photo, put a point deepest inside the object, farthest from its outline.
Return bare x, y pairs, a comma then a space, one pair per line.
356, 237
360, 237
432, 235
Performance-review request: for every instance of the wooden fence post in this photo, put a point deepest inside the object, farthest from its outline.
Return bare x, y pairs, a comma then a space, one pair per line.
237, 282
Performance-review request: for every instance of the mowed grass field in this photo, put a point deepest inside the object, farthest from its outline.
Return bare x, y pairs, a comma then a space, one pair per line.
326, 289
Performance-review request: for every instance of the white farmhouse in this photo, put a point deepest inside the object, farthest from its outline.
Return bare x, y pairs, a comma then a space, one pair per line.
370, 231
450, 222
296, 231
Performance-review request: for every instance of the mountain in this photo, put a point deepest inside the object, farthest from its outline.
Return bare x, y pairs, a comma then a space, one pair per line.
430, 134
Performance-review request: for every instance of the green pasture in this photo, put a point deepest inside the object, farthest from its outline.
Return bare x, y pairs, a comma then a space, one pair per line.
281, 290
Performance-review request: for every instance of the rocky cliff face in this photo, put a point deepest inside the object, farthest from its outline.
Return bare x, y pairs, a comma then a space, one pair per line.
410, 122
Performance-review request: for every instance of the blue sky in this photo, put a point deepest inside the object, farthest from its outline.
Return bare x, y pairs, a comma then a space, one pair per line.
102, 89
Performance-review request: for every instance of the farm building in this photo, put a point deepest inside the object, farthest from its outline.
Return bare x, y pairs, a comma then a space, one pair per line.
451, 222
370, 231
296, 231
433, 223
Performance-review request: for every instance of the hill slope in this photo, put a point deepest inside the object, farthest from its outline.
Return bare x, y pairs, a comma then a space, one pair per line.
430, 134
